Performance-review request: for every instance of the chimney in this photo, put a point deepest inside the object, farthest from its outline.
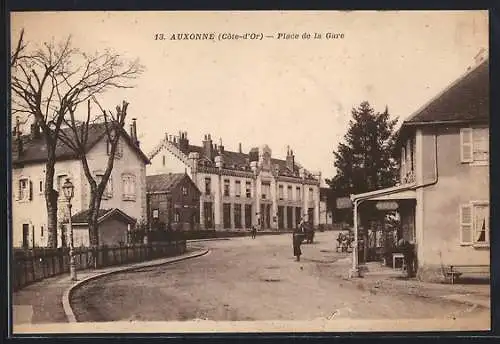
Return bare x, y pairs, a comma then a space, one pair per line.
221, 147
133, 131
290, 159
239, 148
183, 141
208, 149
18, 138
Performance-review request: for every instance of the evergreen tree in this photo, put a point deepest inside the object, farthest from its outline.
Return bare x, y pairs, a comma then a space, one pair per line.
366, 160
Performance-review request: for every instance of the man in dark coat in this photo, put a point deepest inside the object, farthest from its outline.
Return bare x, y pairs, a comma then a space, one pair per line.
254, 232
297, 241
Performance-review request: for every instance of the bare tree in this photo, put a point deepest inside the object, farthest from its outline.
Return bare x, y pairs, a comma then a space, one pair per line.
112, 126
48, 81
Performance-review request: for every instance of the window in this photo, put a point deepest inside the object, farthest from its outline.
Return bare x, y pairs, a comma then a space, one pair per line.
474, 145
119, 149
289, 192
297, 191
266, 190
40, 186
177, 217
474, 223
129, 187
108, 191
208, 189
226, 187
156, 213
164, 160
310, 194
184, 191
41, 231
25, 192
60, 181
248, 191
237, 188
280, 192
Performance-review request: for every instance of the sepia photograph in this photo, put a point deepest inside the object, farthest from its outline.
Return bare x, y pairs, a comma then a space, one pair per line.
249, 172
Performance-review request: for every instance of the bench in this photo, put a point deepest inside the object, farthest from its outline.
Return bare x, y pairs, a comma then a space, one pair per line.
455, 271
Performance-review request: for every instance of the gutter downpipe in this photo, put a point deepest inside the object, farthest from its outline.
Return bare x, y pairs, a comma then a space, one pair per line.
355, 265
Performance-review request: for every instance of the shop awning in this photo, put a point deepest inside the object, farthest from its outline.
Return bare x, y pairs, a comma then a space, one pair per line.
394, 193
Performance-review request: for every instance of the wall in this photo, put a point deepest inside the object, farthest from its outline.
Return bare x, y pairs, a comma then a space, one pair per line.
34, 211
458, 183
129, 163
172, 164
112, 232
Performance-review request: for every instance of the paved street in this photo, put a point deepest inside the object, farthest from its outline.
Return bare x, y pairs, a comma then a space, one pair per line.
245, 279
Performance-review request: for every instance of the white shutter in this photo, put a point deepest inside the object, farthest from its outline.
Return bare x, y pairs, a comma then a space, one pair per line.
466, 220
466, 145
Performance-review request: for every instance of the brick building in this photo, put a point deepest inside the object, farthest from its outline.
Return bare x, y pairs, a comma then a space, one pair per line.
172, 202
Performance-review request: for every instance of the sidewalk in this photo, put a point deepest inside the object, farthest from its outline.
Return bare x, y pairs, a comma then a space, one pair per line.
392, 281
43, 302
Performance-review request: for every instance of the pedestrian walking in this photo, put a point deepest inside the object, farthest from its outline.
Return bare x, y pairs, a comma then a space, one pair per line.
254, 232
297, 241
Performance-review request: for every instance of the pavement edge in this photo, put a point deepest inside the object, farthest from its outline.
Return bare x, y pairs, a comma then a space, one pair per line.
70, 315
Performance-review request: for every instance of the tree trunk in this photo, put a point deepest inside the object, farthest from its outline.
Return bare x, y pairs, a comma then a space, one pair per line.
92, 218
51, 200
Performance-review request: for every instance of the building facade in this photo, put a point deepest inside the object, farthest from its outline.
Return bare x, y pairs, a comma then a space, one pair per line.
239, 190
443, 195
126, 189
173, 202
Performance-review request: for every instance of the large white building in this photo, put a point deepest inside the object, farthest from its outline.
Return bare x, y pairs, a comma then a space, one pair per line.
239, 189
126, 189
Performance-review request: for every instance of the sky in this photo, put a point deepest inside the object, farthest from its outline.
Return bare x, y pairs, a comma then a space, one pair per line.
279, 92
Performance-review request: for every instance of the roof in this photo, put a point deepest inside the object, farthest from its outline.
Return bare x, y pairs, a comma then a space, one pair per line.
465, 100
406, 191
35, 150
165, 182
80, 218
241, 161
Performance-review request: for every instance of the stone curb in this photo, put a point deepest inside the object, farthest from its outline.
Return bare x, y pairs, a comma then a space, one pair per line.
70, 315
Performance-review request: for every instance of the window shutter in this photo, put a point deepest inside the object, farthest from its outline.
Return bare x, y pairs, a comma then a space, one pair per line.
109, 187
466, 145
466, 224
18, 194
30, 190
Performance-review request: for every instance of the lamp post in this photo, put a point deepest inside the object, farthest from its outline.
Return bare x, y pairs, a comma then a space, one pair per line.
68, 190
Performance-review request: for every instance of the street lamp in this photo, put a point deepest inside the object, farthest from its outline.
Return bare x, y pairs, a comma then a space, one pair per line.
68, 191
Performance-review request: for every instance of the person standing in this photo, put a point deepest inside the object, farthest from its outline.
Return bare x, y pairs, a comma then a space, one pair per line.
297, 241
254, 232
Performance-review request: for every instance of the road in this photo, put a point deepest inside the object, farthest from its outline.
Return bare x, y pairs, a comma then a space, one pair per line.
245, 279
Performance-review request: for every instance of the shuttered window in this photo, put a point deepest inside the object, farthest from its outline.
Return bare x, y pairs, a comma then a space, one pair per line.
466, 224
474, 223
25, 190
474, 145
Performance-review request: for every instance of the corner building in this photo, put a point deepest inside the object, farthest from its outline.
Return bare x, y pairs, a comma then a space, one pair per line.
239, 189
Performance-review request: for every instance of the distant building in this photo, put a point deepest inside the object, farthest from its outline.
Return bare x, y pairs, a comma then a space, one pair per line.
126, 189
172, 202
325, 211
239, 189
443, 195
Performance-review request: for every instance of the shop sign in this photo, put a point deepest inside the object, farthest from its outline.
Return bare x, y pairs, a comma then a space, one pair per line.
387, 205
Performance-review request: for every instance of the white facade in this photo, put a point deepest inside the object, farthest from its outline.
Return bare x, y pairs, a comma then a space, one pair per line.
224, 203
29, 207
